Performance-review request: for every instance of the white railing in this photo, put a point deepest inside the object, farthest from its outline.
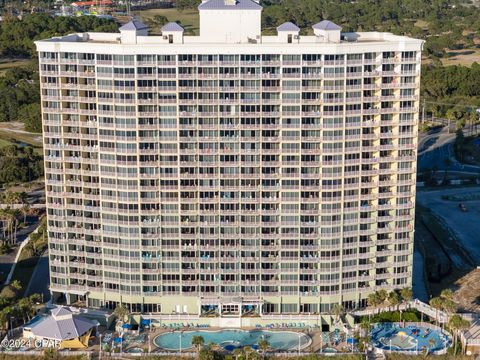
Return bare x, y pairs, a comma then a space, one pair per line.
416, 304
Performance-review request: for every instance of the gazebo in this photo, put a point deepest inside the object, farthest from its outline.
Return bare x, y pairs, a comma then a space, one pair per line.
63, 327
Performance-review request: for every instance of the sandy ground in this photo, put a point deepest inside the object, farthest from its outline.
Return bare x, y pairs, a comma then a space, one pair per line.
465, 225
467, 294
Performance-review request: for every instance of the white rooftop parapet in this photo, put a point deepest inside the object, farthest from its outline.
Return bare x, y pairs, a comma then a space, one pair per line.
130, 31
327, 31
288, 33
173, 33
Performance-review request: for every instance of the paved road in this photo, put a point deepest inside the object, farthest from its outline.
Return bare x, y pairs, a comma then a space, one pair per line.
40, 279
437, 145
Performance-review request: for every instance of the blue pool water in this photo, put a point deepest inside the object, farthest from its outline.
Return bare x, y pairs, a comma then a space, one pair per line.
411, 338
232, 339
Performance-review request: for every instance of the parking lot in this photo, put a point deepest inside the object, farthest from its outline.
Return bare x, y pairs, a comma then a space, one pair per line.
465, 225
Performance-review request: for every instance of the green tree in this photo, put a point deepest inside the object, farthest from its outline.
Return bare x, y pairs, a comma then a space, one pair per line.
264, 346
365, 326
207, 353
437, 304
373, 299
382, 295
338, 311
456, 323
121, 312
30, 114
198, 341
394, 298
406, 294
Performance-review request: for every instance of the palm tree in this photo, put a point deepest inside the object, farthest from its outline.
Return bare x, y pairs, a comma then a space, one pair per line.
247, 350
437, 304
5, 315
263, 345
393, 298
26, 308
406, 294
456, 323
121, 312
25, 210
237, 353
3, 219
338, 311
382, 295
373, 300
198, 341
365, 326
16, 285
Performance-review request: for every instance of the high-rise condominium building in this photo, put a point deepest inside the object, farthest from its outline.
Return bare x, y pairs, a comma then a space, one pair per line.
229, 171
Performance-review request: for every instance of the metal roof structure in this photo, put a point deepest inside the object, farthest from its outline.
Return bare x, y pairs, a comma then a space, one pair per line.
62, 324
172, 27
326, 25
288, 26
134, 25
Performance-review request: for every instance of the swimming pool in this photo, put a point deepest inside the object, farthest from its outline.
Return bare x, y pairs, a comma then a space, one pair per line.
395, 337
232, 339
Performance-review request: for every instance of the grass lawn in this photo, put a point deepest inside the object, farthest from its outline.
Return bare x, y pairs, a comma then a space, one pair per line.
464, 57
6, 64
188, 18
13, 133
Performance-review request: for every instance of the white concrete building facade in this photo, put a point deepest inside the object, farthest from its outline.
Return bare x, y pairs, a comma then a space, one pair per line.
229, 172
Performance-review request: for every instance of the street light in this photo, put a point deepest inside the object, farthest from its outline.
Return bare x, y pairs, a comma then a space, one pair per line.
100, 344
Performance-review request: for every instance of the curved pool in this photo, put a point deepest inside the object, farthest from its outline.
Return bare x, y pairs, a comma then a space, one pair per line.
232, 339
395, 337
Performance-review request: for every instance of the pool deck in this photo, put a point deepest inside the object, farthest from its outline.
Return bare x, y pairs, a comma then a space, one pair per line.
315, 334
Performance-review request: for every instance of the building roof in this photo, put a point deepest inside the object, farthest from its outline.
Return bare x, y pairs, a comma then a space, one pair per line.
326, 25
62, 325
226, 5
288, 26
171, 27
134, 25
